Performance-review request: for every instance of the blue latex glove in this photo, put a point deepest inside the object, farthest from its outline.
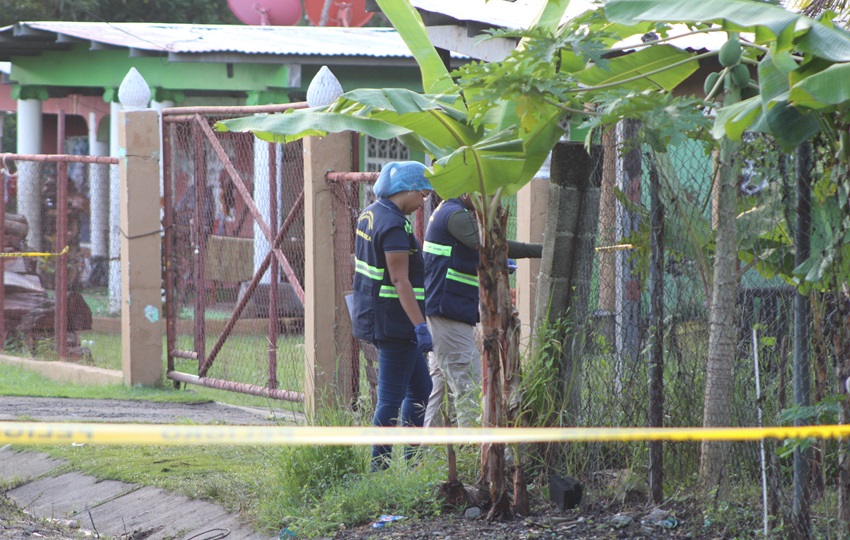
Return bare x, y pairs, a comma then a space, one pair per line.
423, 338
511, 266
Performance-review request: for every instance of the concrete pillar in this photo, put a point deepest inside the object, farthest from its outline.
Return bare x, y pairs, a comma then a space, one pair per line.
327, 326
572, 221
531, 220
99, 196
114, 214
158, 106
141, 250
29, 172
262, 162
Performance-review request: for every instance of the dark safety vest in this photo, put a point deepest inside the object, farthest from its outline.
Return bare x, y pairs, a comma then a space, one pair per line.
376, 312
451, 269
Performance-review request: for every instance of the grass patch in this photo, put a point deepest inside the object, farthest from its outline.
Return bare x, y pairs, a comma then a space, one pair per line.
310, 490
347, 495
17, 381
258, 484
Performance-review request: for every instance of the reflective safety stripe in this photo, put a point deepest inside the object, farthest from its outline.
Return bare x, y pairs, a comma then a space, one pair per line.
370, 272
461, 277
437, 249
388, 291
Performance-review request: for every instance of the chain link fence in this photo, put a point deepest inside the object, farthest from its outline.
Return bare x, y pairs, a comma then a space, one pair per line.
617, 365
55, 302
235, 261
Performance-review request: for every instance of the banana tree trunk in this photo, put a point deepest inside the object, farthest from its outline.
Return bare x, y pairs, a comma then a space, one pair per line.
499, 355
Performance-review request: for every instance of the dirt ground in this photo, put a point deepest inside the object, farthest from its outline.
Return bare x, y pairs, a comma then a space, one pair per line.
675, 520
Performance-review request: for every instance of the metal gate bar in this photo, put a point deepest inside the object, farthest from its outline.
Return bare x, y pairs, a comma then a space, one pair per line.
252, 206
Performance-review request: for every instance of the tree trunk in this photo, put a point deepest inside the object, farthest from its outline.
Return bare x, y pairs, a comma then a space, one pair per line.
842, 367
497, 368
723, 331
801, 518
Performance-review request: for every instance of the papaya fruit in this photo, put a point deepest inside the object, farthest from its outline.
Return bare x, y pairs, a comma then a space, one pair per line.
730, 53
740, 75
710, 81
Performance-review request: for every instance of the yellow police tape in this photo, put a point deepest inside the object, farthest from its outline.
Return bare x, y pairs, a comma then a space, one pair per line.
26, 433
615, 247
35, 253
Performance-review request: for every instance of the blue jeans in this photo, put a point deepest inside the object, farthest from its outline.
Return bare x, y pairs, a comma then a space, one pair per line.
403, 383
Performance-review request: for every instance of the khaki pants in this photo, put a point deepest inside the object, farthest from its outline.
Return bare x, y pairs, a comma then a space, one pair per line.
455, 362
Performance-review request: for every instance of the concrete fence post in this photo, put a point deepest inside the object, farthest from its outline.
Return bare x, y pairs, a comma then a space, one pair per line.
572, 221
531, 219
140, 240
327, 327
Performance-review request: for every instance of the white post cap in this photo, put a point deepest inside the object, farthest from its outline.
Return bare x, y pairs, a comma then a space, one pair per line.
134, 93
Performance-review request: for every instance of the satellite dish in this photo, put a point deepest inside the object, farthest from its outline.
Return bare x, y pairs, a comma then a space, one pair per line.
267, 12
344, 13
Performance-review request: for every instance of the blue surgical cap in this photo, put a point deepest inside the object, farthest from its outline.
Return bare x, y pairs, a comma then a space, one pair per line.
401, 176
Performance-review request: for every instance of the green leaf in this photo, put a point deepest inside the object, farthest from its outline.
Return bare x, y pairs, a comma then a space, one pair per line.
773, 81
823, 90
790, 126
482, 167
289, 127
537, 143
733, 15
407, 21
770, 23
827, 42
733, 120
426, 123
551, 14
642, 62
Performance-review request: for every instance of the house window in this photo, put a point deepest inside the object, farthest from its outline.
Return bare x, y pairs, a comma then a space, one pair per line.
379, 153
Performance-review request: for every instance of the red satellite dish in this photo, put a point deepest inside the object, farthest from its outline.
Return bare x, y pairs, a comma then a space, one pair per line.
267, 12
340, 12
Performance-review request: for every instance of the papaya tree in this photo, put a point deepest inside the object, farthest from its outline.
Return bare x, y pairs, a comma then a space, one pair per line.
801, 64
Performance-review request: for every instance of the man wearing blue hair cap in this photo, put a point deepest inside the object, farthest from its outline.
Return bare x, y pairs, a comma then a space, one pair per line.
388, 301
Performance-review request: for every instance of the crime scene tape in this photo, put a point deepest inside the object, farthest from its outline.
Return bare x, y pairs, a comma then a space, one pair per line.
30, 433
35, 253
615, 247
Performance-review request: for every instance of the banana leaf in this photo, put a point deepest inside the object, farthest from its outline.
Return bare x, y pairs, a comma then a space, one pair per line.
383, 114
823, 90
287, 127
483, 167
771, 24
640, 63
790, 126
407, 21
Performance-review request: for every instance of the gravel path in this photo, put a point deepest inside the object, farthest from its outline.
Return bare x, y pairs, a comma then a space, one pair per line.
112, 410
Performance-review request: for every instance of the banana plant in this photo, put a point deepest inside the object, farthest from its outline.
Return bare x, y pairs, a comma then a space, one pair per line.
489, 145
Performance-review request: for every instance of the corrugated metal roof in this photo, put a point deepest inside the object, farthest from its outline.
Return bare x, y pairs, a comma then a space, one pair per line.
514, 14
204, 39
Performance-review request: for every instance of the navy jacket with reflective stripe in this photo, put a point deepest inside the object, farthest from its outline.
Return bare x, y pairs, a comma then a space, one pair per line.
451, 269
377, 314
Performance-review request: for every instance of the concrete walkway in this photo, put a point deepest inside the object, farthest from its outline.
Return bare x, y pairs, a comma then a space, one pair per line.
111, 508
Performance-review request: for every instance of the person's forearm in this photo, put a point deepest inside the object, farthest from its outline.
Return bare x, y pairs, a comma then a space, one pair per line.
464, 227
521, 250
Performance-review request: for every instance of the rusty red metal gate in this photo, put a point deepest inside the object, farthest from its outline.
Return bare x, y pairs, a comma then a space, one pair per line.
235, 260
